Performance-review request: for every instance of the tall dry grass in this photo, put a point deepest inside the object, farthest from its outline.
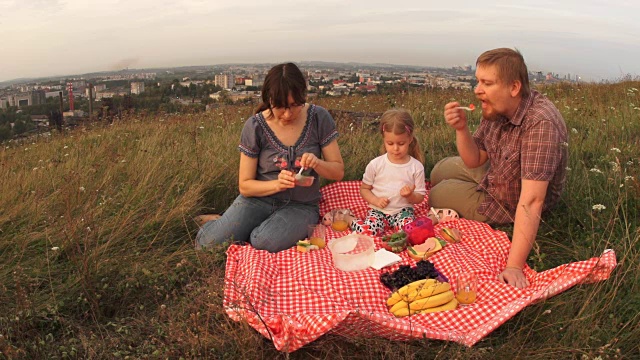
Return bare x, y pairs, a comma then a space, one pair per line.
96, 236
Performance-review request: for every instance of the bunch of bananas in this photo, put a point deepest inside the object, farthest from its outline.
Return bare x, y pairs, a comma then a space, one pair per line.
422, 296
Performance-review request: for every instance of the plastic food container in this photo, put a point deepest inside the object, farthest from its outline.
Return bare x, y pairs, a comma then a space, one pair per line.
304, 180
352, 252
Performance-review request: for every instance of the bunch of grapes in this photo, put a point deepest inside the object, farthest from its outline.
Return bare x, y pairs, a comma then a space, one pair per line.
406, 274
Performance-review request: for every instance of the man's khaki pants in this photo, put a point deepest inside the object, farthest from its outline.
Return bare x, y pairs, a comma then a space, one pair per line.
453, 186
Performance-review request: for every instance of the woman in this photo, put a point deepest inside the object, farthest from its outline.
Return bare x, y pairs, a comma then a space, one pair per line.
284, 135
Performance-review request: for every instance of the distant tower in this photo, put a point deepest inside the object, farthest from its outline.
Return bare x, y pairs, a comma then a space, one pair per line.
70, 89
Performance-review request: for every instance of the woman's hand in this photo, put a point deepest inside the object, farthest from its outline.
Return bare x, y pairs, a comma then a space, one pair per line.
309, 160
285, 180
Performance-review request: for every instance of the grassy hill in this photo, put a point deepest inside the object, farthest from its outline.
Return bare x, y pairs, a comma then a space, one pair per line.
96, 236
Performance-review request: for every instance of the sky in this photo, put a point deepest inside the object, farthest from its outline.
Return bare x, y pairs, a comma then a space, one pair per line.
590, 38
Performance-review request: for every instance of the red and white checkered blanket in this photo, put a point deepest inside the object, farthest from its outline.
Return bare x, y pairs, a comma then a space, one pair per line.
293, 298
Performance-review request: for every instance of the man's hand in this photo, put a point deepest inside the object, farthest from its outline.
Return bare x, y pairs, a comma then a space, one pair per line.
456, 118
514, 277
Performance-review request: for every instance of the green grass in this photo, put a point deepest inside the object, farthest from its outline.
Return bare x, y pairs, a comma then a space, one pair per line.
116, 203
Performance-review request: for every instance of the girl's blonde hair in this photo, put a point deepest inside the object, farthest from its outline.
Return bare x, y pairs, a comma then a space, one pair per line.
399, 121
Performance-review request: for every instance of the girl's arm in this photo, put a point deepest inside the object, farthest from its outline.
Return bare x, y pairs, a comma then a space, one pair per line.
368, 196
412, 197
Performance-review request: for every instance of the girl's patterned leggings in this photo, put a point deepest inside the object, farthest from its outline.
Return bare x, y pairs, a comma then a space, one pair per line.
376, 221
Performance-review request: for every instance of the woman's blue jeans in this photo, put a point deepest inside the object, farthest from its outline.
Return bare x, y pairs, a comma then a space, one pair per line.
267, 223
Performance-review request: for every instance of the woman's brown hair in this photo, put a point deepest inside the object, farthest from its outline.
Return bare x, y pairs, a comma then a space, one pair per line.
282, 80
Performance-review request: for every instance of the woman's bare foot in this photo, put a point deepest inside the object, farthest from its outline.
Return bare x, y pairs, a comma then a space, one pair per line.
202, 219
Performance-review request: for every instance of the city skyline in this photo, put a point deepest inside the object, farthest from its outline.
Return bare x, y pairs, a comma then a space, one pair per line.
594, 39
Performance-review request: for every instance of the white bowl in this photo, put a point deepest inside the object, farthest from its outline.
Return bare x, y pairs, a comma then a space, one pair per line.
352, 252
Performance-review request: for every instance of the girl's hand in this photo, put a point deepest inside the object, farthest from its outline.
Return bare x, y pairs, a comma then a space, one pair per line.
285, 180
456, 118
407, 190
309, 160
381, 202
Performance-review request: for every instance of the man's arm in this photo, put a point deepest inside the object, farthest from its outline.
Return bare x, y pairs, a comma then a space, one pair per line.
471, 155
525, 230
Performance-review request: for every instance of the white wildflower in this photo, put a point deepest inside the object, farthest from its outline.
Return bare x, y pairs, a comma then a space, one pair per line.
565, 144
568, 168
598, 207
35, 168
596, 170
81, 188
621, 185
547, 312
65, 147
630, 162
614, 166
55, 248
201, 127
122, 161
615, 149
628, 178
66, 154
574, 130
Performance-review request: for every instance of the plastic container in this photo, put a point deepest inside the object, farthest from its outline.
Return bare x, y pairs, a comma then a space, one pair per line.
305, 181
352, 252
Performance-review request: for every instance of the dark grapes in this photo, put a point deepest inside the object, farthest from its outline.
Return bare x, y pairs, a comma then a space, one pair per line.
406, 274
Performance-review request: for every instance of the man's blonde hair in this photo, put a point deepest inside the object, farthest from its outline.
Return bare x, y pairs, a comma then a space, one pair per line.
510, 65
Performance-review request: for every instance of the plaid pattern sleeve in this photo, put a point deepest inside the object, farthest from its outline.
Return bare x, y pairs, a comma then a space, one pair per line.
544, 143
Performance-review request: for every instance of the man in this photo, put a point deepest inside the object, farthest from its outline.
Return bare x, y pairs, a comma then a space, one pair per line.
514, 166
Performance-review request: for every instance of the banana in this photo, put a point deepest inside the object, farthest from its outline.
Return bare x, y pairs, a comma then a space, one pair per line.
401, 294
426, 291
402, 312
432, 301
453, 304
398, 306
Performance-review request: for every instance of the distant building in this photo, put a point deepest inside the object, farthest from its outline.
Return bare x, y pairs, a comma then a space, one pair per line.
109, 94
4, 103
35, 97
50, 94
225, 81
137, 87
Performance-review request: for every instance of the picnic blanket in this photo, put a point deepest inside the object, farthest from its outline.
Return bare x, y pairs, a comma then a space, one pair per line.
293, 298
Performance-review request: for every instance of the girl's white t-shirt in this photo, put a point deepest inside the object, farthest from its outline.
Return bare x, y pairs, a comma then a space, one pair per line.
388, 178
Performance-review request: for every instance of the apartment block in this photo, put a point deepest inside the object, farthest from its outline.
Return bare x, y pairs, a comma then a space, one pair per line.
225, 81
137, 87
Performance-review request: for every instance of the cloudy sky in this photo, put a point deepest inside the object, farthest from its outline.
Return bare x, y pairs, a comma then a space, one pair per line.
591, 38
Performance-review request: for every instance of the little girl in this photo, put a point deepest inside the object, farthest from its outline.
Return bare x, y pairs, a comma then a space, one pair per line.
393, 182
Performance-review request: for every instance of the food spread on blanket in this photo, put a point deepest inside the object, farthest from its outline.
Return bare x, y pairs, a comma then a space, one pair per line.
450, 235
426, 249
422, 296
306, 246
419, 289
395, 242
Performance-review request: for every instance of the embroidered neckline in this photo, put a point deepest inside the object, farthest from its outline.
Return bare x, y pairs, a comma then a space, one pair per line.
273, 139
